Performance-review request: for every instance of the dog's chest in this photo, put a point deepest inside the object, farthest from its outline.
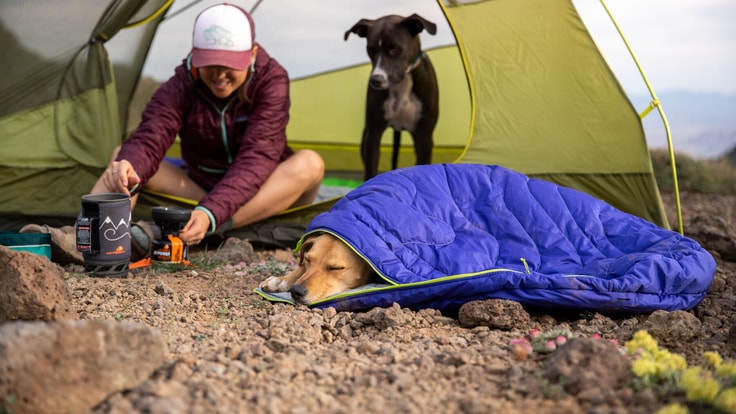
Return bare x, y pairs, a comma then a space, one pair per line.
402, 109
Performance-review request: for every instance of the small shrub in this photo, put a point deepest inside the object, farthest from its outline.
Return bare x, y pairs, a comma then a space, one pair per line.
709, 388
704, 176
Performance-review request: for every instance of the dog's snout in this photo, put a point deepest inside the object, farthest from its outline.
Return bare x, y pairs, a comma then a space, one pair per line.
378, 81
298, 292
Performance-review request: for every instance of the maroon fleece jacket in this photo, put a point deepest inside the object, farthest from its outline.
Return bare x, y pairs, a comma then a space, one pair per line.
229, 147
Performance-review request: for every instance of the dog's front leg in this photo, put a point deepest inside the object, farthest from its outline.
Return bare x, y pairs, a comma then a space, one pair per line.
282, 283
370, 148
423, 145
375, 125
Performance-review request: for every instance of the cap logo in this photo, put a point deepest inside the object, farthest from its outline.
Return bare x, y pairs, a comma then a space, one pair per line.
218, 36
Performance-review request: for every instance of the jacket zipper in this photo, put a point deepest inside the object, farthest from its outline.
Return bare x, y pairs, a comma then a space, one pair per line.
221, 112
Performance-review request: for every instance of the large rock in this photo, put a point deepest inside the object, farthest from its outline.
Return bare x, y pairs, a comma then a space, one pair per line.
494, 313
588, 366
714, 233
671, 328
235, 250
71, 366
32, 288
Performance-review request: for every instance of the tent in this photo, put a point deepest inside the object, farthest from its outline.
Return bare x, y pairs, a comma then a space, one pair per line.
522, 85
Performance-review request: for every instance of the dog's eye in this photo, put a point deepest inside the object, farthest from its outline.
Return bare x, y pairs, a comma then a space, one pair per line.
335, 268
393, 50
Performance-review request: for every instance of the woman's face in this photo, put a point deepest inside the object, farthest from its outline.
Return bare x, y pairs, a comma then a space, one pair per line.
221, 80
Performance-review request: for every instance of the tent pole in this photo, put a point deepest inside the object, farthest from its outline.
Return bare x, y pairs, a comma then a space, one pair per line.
183, 9
151, 17
654, 104
255, 6
466, 65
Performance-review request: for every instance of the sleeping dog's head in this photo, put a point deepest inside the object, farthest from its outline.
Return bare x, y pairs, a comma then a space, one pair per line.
327, 266
393, 46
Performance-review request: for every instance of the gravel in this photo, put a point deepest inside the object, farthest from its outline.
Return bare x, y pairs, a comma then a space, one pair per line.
231, 351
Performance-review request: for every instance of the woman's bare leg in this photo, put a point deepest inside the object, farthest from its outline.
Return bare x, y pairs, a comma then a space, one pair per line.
172, 180
295, 182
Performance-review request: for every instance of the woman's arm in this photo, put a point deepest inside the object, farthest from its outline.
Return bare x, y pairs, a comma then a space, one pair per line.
160, 123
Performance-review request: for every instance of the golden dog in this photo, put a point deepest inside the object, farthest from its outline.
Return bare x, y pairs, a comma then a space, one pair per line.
327, 266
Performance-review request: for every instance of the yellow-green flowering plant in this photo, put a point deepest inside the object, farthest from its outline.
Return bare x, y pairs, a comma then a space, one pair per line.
654, 365
712, 385
700, 385
726, 400
673, 409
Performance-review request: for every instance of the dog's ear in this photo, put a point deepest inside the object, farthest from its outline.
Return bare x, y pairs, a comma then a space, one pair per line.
361, 28
305, 248
415, 23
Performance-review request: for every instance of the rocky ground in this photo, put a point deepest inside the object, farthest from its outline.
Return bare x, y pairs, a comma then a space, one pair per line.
230, 351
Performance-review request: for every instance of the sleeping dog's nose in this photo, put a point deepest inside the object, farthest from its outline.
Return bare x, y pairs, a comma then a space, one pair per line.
298, 292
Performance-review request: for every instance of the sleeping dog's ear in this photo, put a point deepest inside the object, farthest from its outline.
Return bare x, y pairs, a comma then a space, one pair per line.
305, 248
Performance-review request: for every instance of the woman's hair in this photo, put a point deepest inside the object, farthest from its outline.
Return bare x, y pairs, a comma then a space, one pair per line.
243, 90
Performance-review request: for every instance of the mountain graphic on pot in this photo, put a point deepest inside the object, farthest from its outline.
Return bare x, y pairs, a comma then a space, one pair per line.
115, 232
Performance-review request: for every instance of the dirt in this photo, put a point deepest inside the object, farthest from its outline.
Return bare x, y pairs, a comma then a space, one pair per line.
231, 351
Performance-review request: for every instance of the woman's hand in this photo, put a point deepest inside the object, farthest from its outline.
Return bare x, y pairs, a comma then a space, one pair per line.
196, 228
120, 177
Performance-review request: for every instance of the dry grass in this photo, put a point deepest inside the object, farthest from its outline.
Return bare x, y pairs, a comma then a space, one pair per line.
703, 176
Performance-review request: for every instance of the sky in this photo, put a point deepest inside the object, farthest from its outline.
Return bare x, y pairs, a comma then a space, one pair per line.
682, 45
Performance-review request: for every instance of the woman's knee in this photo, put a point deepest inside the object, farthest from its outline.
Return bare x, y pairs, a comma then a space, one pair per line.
309, 163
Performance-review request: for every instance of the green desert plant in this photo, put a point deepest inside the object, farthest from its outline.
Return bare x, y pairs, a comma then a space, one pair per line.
716, 176
707, 388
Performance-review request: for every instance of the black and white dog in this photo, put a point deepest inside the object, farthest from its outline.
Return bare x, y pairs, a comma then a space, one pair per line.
402, 89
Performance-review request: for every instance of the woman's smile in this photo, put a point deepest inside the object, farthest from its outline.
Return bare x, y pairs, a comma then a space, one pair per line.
221, 80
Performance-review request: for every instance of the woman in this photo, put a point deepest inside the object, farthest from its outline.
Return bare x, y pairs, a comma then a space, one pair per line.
229, 104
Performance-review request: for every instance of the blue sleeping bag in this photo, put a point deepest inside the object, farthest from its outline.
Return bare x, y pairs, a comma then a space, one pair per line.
443, 235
